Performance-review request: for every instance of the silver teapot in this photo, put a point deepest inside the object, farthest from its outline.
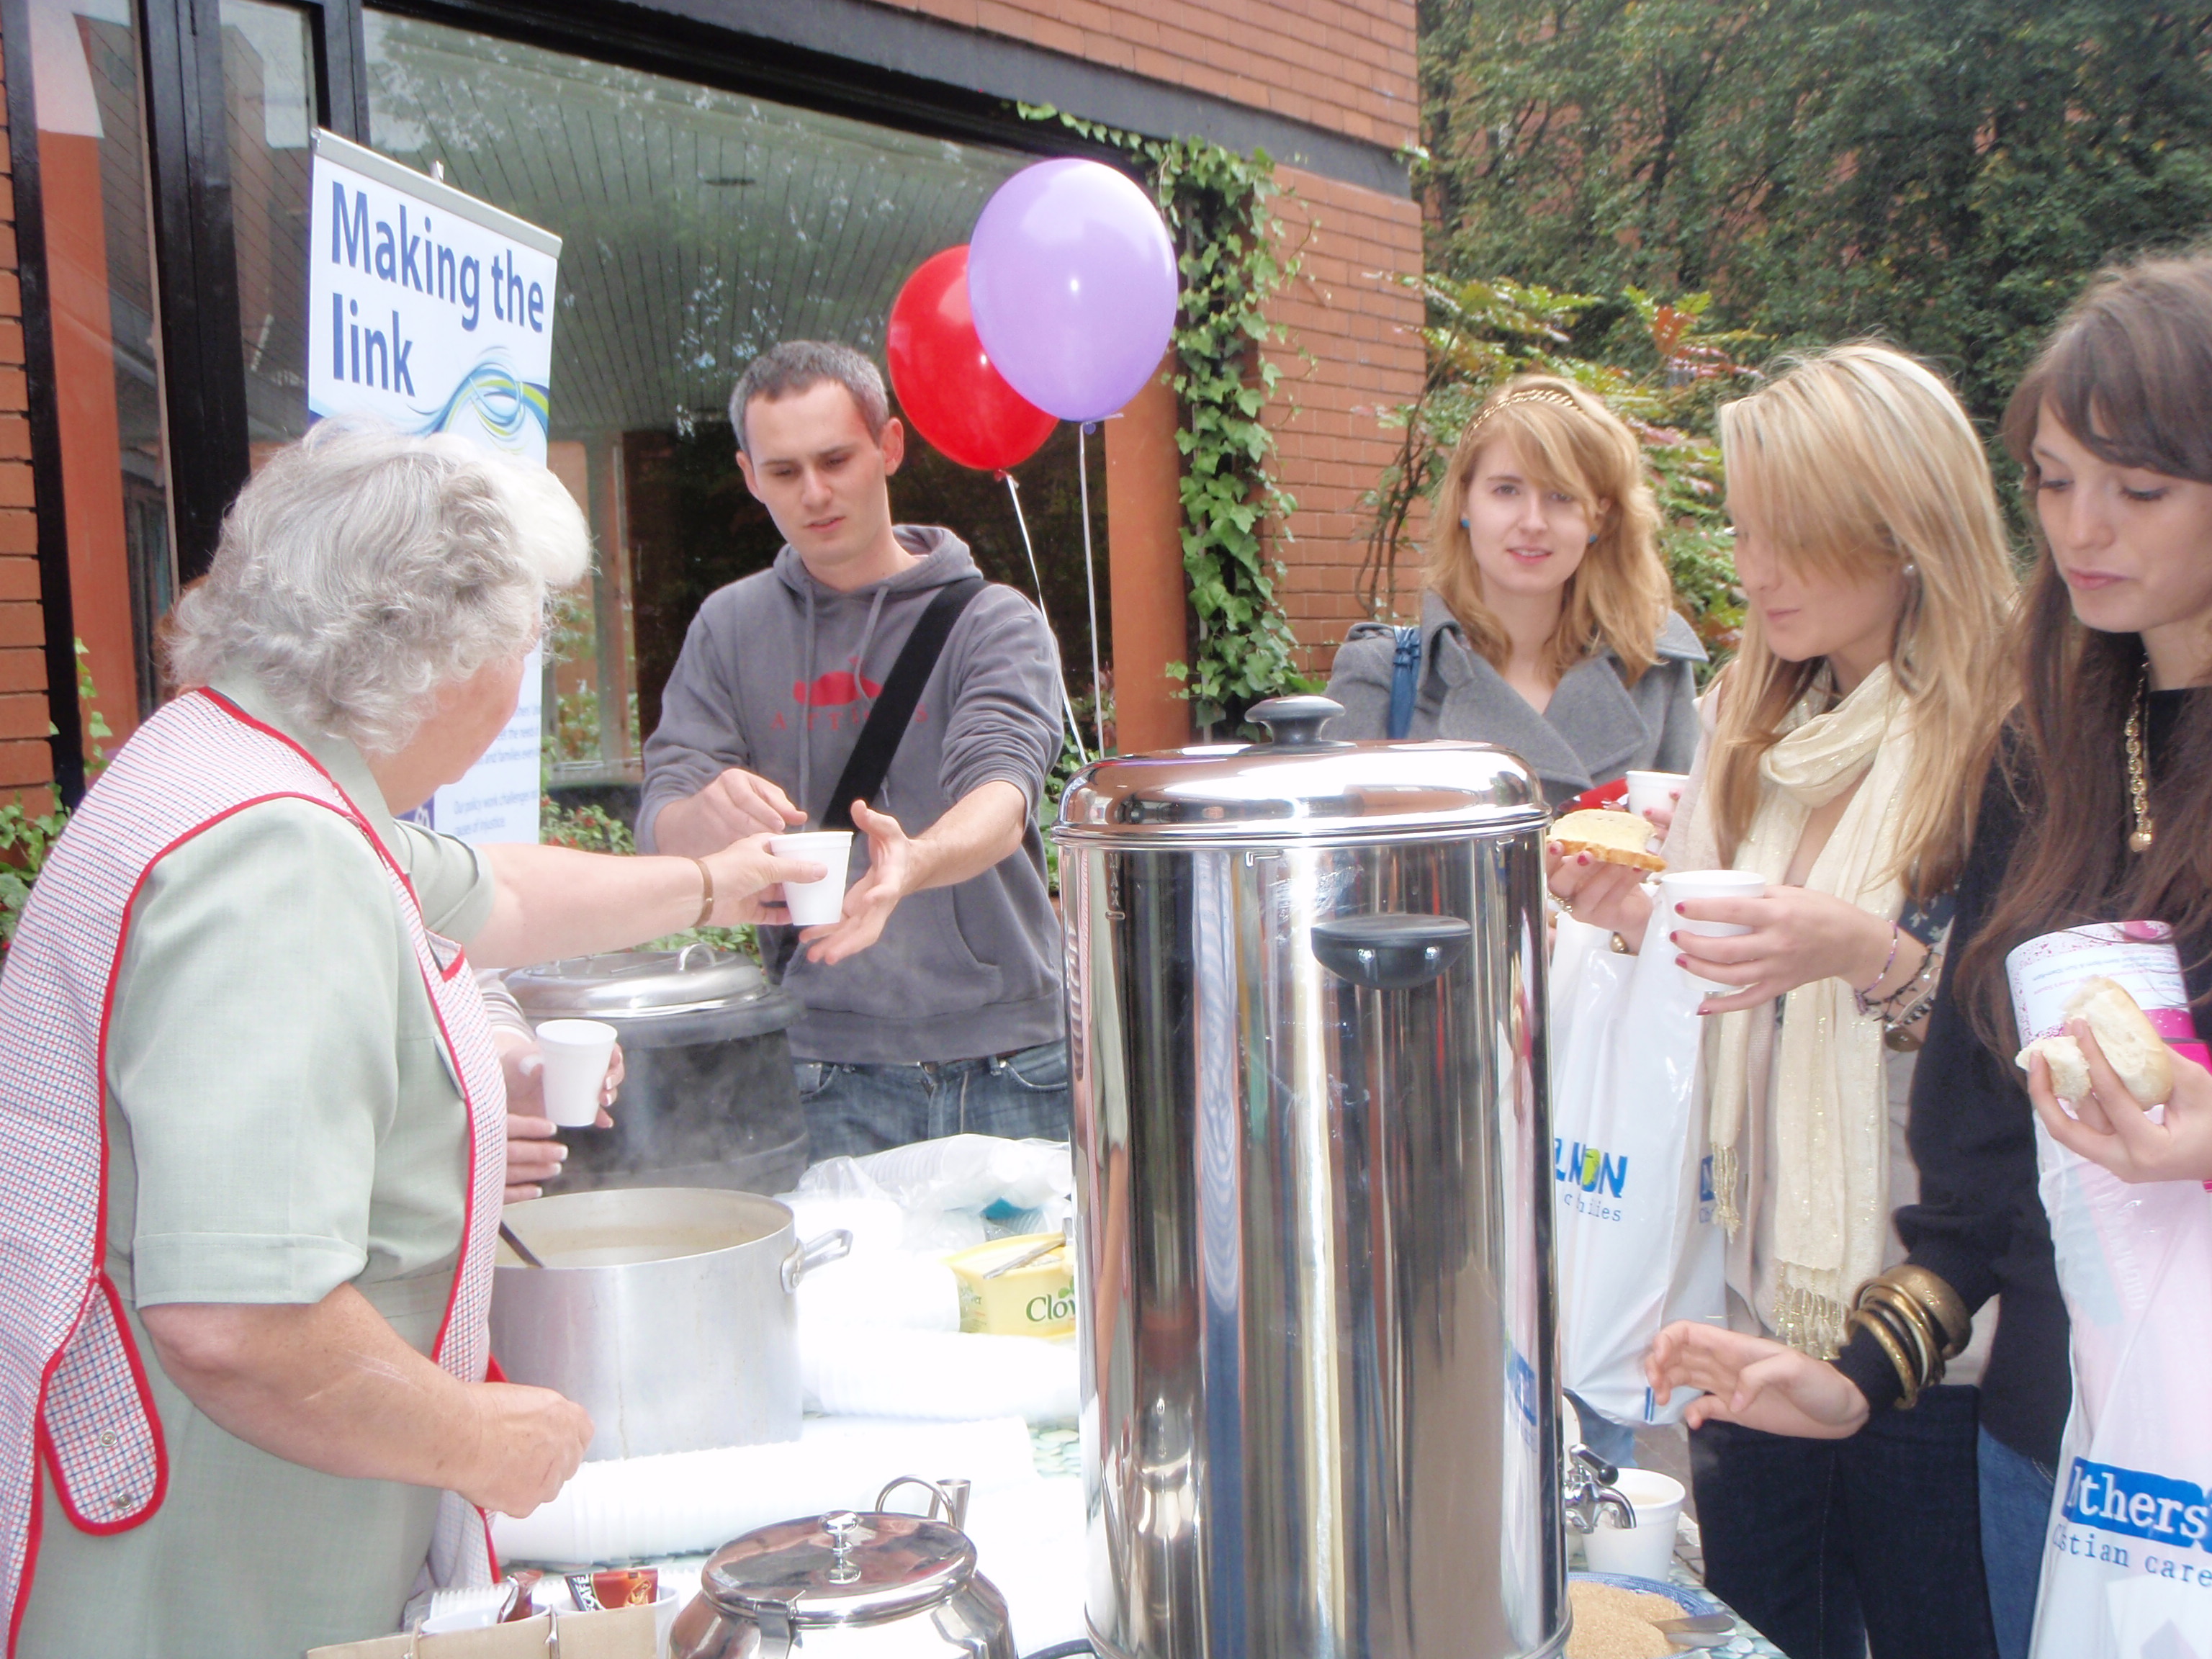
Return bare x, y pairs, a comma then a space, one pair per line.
835, 1585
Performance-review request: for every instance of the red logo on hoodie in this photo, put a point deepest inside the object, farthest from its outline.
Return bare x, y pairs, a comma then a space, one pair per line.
835, 690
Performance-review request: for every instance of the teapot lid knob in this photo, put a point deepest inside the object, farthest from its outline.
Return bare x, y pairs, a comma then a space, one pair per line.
842, 1527
1295, 722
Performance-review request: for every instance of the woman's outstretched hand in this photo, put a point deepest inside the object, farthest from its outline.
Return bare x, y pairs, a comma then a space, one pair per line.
1608, 896
2115, 1130
749, 881
1753, 1382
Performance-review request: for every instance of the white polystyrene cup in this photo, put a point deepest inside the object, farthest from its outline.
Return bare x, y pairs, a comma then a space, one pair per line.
1651, 790
1643, 1550
1678, 885
815, 903
576, 1053
445, 1623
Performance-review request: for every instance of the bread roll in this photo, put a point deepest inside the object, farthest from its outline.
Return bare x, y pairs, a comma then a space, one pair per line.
2134, 1048
1609, 836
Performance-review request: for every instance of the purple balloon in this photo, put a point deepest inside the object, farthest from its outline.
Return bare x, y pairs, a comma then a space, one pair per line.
1071, 279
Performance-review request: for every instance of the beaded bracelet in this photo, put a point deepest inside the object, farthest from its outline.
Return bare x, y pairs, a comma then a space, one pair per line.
1888, 962
1923, 978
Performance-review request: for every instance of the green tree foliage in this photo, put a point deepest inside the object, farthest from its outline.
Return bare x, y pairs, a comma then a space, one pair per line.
1943, 171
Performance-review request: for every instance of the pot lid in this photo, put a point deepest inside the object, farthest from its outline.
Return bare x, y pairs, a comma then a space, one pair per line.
840, 1569
1299, 784
625, 985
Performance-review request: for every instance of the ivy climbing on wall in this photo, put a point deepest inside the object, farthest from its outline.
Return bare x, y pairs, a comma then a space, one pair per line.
1218, 207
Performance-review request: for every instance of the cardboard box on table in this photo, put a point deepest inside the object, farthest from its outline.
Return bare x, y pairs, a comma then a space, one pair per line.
618, 1633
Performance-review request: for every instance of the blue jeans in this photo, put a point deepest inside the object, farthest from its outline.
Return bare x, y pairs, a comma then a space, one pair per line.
1613, 1441
852, 1110
2016, 1511
1834, 1546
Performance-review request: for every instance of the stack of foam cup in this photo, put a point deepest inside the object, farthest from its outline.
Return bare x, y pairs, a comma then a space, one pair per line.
637, 1507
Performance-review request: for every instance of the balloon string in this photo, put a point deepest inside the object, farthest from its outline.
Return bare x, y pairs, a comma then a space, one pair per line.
1090, 583
1066, 704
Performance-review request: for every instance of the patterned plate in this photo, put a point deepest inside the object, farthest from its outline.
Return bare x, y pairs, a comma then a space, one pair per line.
1690, 1601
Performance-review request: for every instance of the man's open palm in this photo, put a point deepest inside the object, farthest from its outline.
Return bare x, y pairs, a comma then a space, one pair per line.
871, 899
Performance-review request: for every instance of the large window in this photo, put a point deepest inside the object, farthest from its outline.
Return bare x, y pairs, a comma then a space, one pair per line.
268, 104
699, 226
102, 308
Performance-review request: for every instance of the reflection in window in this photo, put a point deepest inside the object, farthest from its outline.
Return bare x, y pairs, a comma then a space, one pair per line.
699, 226
269, 100
84, 74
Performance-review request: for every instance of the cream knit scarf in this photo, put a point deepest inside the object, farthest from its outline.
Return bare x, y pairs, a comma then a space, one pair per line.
1831, 1162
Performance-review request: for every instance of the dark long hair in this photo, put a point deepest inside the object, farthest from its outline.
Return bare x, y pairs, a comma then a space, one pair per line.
2129, 375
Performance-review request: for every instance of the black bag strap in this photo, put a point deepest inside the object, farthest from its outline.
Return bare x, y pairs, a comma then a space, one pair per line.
880, 733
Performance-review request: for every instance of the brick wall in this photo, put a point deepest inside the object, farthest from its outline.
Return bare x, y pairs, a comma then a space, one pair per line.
1353, 351
26, 761
1361, 356
1346, 65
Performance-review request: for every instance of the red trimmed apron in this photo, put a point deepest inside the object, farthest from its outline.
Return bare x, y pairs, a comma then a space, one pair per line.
73, 1388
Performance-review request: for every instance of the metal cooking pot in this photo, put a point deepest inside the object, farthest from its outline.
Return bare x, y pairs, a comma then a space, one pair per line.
1314, 1166
869, 1585
709, 1099
667, 1313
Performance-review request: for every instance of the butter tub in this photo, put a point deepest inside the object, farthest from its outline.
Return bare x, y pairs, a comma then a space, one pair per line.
1034, 1299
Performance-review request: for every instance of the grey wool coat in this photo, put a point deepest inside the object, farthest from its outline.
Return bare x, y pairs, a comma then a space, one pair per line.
1597, 728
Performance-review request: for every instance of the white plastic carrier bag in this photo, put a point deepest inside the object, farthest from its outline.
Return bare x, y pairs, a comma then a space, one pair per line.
2127, 1562
1637, 1246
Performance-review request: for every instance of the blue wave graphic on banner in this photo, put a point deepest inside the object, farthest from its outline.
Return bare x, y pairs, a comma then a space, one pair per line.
502, 399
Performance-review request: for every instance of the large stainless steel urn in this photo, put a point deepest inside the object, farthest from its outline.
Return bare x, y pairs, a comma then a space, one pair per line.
1314, 1162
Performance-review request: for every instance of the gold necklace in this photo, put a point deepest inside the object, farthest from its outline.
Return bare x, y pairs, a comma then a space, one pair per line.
2138, 784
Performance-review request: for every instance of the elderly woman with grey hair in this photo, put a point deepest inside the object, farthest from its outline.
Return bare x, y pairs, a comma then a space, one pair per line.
251, 1126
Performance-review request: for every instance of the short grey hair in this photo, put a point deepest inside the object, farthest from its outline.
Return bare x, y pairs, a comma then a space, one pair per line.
799, 365
361, 569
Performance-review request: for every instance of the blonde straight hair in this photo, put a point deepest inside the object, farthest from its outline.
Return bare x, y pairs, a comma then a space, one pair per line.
1858, 461
1569, 441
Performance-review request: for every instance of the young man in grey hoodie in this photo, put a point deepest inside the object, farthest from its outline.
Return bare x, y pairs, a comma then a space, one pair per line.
934, 1006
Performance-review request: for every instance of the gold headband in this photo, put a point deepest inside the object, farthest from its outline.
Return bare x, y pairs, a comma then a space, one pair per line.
1537, 394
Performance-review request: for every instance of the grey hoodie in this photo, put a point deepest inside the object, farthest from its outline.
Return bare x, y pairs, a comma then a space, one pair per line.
960, 972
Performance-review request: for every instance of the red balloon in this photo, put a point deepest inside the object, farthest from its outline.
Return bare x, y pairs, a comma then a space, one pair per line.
943, 378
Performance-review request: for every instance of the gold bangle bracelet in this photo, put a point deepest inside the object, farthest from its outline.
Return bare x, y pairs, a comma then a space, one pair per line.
1932, 1293
1908, 1320
1860, 1319
706, 893
1898, 1324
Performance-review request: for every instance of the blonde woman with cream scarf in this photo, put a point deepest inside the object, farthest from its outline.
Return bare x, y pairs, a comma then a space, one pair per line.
1841, 757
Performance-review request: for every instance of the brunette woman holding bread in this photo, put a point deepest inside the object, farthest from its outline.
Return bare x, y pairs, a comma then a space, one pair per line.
2098, 808
1841, 764
1546, 622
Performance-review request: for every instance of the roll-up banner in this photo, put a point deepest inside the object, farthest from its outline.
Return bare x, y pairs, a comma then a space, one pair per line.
433, 311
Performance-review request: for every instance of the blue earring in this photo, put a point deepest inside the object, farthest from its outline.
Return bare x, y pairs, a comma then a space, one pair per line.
1593, 541
1462, 523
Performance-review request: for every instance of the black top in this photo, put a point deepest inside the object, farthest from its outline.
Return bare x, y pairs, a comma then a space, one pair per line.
1980, 1223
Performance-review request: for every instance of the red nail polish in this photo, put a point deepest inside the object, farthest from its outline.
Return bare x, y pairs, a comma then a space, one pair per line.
1678, 910
1681, 961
